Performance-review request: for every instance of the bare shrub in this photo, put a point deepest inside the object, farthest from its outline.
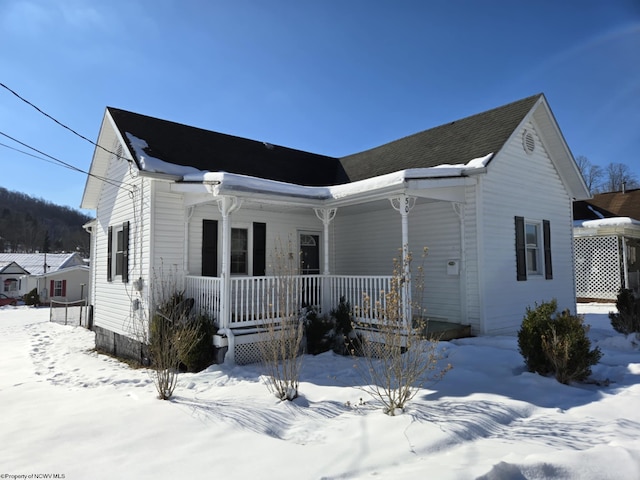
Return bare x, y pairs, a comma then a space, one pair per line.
398, 358
281, 335
172, 332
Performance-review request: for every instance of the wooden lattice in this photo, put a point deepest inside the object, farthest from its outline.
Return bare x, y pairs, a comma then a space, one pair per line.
598, 267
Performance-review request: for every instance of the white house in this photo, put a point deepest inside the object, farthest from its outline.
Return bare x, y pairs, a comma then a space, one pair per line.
64, 276
11, 279
490, 196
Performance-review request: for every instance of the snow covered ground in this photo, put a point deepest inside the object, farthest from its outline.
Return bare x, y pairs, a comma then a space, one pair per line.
67, 411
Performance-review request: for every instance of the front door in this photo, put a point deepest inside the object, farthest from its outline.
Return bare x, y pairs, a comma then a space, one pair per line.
310, 253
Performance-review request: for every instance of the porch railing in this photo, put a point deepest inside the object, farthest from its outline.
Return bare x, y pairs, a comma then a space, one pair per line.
256, 300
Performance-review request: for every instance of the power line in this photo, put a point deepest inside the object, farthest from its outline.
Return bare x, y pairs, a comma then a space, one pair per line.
59, 122
58, 162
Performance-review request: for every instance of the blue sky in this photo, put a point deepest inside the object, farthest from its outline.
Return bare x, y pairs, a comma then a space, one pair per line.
330, 77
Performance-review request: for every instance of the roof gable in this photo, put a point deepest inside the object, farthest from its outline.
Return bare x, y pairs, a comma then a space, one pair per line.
34, 262
454, 143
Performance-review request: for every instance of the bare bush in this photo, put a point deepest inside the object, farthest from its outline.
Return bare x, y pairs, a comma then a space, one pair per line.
171, 334
398, 359
281, 336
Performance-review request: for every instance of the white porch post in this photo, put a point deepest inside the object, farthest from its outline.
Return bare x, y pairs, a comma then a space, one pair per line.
404, 204
226, 205
326, 215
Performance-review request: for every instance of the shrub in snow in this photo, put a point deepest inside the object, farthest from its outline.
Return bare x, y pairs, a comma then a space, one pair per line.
397, 359
32, 298
201, 355
557, 344
320, 331
627, 320
281, 336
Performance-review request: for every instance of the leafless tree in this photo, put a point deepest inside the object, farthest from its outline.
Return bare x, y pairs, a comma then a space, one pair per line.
592, 174
618, 176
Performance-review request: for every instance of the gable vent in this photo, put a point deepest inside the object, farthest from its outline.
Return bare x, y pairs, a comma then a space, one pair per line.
528, 141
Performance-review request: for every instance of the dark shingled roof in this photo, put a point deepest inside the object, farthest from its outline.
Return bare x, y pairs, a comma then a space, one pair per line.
217, 152
453, 143
611, 204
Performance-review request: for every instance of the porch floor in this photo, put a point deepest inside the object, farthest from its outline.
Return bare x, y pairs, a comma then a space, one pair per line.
447, 331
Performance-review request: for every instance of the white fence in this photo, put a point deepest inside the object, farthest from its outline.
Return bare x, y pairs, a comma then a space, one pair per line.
254, 300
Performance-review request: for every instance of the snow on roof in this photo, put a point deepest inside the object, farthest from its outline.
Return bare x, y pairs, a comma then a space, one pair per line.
34, 262
605, 222
152, 164
232, 181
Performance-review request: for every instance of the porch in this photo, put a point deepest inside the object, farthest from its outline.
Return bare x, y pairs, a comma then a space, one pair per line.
252, 302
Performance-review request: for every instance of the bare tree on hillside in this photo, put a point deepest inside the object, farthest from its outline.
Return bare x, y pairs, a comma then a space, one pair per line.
591, 173
618, 176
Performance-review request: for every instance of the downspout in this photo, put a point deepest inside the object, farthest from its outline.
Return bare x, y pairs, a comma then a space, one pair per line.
326, 215
226, 205
458, 208
625, 269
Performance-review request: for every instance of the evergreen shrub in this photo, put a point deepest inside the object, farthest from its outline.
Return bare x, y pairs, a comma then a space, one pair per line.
557, 344
32, 298
627, 320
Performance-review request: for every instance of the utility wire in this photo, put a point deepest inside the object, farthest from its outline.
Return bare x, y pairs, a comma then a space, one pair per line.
59, 122
57, 161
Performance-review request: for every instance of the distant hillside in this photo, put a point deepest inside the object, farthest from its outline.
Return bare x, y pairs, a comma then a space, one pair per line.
30, 224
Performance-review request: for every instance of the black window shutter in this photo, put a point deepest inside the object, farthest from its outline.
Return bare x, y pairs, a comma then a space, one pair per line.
125, 252
548, 269
521, 250
259, 248
209, 248
109, 254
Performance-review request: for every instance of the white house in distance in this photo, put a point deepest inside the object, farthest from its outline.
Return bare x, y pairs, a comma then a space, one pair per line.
63, 276
490, 195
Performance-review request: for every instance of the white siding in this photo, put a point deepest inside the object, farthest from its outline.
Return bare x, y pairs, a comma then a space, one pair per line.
280, 228
167, 232
366, 244
123, 198
527, 185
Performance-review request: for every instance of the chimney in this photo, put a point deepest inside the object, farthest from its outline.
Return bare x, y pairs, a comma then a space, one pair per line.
624, 186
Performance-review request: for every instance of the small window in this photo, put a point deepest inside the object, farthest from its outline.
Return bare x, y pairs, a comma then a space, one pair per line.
118, 252
239, 251
532, 235
533, 249
11, 285
57, 288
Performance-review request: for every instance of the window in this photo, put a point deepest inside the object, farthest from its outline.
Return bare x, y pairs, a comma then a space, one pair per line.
533, 248
239, 251
11, 285
57, 288
118, 243
532, 238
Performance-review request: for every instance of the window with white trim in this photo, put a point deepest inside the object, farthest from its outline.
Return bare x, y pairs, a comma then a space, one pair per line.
533, 249
57, 288
118, 252
533, 242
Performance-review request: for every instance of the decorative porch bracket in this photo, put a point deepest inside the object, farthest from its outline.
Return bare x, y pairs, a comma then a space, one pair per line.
404, 204
226, 205
326, 215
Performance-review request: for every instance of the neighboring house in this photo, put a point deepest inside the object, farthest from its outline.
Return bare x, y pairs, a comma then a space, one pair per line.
490, 195
11, 279
62, 276
607, 244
